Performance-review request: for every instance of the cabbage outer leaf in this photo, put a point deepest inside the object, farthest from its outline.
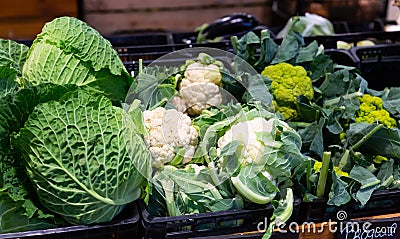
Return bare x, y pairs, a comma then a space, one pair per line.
83, 157
68, 51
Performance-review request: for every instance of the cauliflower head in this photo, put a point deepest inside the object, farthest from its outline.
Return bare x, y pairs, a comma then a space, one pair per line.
288, 83
201, 73
169, 129
371, 110
248, 133
200, 96
199, 89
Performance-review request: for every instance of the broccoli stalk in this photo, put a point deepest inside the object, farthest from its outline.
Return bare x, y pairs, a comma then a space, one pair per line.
367, 136
323, 174
342, 97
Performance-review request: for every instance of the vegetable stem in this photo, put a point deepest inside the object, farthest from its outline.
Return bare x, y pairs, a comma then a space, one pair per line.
308, 175
367, 136
168, 186
343, 160
213, 174
345, 97
323, 174
370, 184
140, 66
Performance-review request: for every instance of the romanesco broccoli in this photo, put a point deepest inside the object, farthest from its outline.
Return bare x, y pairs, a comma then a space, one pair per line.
371, 110
288, 83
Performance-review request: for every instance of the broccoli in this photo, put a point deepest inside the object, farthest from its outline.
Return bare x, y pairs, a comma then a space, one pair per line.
288, 83
371, 110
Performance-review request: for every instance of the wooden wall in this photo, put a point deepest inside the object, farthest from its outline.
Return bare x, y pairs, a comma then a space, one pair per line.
24, 19
110, 17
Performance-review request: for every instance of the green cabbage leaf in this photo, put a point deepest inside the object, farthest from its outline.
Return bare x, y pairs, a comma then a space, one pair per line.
68, 51
12, 59
84, 157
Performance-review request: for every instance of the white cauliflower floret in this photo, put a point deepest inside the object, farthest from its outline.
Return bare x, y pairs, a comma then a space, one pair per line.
246, 132
168, 129
199, 89
200, 96
200, 73
179, 104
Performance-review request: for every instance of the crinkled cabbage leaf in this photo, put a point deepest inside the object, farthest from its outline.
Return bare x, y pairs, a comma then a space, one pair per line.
83, 157
12, 59
68, 51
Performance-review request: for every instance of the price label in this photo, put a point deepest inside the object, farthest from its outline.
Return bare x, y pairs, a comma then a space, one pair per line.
369, 229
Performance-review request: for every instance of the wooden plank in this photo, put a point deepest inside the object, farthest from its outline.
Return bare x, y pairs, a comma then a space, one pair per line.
21, 30
42, 8
185, 20
321, 231
124, 5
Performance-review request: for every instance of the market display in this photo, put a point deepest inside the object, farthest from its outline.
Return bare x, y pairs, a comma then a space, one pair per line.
350, 125
81, 138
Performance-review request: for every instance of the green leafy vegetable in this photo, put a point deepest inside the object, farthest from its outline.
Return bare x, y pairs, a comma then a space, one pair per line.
15, 186
83, 157
68, 51
12, 58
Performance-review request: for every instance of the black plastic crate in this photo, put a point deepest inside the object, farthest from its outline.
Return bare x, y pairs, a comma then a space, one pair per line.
381, 202
379, 37
124, 226
141, 39
341, 57
190, 37
130, 55
211, 224
379, 65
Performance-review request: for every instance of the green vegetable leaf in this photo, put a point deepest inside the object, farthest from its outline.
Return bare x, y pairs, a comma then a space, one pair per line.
268, 49
255, 188
306, 111
307, 53
12, 58
290, 46
245, 46
68, 51
83, 156
384, 142
256, 90
15, 108
14, 111
338, 195
391, 101
386, 170
320, 67
155, 86
13, 218
8, 80
214, 115
13, 55
368, 183
283, 210
232, 156
317, 144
